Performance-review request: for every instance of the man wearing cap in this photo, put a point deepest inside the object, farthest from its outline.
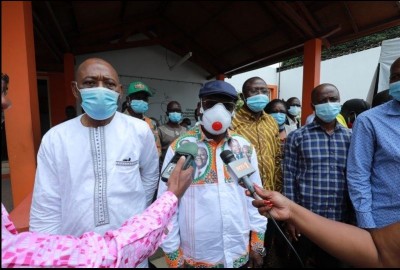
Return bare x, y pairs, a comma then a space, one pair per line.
216, 224
137, 102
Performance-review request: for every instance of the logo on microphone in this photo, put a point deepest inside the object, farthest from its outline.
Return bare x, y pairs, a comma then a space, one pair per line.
241, 167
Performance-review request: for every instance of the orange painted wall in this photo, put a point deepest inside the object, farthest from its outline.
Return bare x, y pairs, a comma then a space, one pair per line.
22, 119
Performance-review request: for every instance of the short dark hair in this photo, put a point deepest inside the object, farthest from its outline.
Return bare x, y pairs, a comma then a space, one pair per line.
5, 78
272, 103
187, 121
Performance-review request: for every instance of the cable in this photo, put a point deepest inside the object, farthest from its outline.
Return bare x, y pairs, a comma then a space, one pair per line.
287, 240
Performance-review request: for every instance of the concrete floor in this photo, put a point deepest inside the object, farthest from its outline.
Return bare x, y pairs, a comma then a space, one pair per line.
6, 195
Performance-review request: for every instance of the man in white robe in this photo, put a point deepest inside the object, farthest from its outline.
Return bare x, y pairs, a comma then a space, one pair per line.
95, 170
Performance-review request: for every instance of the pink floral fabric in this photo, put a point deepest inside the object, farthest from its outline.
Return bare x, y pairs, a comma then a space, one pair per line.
137, 239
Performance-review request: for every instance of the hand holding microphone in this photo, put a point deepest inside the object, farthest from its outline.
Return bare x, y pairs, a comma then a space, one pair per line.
189, 150
241, 168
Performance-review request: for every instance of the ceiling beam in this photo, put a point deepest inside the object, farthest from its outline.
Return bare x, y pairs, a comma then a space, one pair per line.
104, 32
122, 11
285, 8
46, 37
273, 54
348, 13
282, 21
250, 40
60, 31
45, 41
372, 29
117, 46
314, 24
211, 18
309, 17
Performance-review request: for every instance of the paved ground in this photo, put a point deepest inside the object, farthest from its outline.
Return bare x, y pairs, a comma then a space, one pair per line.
6, 196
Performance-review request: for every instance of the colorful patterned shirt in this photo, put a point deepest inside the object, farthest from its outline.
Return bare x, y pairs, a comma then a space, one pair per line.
154, 129
374, 166
263, 133
215, 219
314, 170
134, 241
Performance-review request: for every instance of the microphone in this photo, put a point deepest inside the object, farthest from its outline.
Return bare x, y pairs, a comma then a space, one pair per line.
241, 168
189, 150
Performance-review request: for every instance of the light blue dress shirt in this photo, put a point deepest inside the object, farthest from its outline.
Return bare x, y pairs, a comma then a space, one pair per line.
373, 166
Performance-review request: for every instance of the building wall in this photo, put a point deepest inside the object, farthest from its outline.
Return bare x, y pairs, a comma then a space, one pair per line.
351, 74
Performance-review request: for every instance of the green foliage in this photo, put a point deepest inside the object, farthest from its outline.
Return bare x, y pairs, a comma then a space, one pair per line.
353, 46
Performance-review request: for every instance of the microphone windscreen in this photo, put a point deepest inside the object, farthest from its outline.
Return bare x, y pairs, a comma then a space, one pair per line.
189, 148
227, 156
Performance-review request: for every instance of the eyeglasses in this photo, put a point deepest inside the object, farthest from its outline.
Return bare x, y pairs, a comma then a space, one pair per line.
209, 103
256, 90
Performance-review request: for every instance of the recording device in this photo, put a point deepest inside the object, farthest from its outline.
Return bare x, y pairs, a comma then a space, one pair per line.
189, 150
241, 168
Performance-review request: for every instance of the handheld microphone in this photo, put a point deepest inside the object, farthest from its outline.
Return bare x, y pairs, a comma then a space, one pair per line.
189, 150
241, 168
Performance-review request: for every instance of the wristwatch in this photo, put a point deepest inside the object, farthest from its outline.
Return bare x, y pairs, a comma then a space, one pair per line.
260, 250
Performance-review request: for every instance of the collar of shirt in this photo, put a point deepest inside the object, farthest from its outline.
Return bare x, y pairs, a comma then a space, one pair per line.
393, 107
316, 125
202, 137
247, 115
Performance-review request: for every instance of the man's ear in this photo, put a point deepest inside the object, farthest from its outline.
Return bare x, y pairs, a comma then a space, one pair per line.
75, 90
120, 89
241, 96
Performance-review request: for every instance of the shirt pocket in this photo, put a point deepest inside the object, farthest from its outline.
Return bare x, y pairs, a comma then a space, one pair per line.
126, 166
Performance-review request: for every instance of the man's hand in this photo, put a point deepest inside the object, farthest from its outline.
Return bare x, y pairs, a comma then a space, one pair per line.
180, 179
255, 260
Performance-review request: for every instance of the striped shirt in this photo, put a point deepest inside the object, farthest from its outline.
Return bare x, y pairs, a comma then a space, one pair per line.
314, 170
263, 133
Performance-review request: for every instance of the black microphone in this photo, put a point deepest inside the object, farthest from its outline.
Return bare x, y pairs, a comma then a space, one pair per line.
189, 150
241, 168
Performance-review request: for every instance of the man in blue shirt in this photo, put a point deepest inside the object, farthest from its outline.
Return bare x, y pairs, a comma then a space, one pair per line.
314, 171
374, 161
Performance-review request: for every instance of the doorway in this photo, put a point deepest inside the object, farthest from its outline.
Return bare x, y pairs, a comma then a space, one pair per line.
44, 105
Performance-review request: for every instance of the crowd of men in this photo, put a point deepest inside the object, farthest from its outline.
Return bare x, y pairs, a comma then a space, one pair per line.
98, 169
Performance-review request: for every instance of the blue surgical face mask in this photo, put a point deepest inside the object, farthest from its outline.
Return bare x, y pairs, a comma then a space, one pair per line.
175, 117
279, 118
139, 106
294, 110
257, 103
327, 112
99, 103
394, 90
